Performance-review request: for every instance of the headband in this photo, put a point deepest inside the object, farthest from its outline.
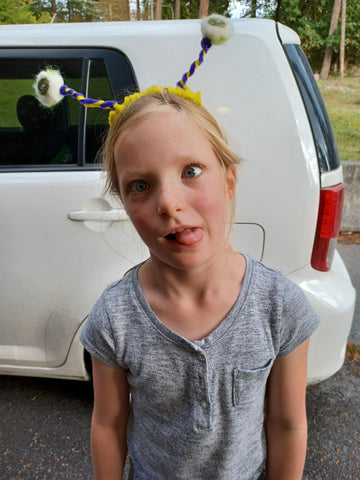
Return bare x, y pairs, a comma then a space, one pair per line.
50, 89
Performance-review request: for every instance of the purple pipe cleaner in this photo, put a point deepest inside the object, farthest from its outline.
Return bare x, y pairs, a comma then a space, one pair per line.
205, 45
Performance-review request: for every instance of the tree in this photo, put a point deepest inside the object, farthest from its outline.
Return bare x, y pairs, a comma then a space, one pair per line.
158, 6
256, 6
311, 20
78, 11
66, 10
352, 38
328, 49
20, 12
204, 8
342, 43
177, 9
192, 9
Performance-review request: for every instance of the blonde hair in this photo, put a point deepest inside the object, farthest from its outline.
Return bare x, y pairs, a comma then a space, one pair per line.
158, 103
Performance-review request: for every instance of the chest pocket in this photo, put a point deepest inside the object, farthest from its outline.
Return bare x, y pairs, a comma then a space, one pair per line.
250, 384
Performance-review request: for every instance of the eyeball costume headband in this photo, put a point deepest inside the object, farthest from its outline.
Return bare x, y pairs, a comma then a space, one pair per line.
50, 89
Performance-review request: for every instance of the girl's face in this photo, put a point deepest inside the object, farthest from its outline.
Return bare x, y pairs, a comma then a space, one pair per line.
173, 189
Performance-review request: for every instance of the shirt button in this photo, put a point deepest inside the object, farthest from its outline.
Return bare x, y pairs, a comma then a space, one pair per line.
204, 403
201, 357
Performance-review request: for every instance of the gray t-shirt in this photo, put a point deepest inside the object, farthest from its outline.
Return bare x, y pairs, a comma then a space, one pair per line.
197, 410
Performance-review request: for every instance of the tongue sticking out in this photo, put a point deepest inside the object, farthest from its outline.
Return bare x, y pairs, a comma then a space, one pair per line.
189, 236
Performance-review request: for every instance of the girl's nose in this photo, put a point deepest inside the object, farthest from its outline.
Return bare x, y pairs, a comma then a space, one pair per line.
169, 201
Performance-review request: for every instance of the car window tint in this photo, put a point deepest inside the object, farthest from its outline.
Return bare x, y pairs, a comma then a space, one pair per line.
326, 148
68, 135
29, 133
96, 118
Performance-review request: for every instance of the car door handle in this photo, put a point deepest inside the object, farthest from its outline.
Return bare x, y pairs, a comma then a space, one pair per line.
114, 215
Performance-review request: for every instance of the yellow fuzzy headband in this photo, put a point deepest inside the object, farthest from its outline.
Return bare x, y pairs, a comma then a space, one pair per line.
50, 89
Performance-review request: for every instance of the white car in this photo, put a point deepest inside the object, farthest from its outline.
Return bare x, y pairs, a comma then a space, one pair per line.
63, 242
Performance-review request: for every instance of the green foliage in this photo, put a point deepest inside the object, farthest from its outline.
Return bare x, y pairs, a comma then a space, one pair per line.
19, 12
113, 10
258, 8
77, 11
311, 20
191, 9
122, 10
352, 42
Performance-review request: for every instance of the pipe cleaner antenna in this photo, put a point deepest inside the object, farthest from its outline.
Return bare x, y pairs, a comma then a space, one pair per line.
50, 89
216, 29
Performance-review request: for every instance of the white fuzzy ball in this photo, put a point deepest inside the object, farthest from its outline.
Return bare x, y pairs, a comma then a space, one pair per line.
216, 28
47, 87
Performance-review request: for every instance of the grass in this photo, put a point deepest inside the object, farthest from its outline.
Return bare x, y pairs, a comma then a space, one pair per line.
353, 351
11, 90
342, 100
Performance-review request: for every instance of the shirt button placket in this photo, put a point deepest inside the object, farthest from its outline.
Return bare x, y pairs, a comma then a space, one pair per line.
203, 399
201, 357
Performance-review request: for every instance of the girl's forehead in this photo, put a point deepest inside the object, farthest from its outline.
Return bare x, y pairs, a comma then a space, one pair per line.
158, 123
162, 143
166, 128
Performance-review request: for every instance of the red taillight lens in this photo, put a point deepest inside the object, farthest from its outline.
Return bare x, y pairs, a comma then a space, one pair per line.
328, 227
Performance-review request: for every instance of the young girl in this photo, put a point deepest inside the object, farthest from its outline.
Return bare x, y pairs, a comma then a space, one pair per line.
204, 339
199, 354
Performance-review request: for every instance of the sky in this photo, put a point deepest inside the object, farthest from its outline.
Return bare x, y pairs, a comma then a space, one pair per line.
236, 9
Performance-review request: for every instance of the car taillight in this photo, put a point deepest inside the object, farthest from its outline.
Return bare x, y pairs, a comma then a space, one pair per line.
328, 227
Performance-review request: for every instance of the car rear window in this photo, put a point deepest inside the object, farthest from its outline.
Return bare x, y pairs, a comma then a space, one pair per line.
68, 135
326, 149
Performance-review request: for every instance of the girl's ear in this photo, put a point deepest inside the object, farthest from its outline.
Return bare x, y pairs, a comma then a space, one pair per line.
230, 182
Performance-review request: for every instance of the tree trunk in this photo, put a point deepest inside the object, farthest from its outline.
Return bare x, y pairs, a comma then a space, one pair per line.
342, 43
138, 12
53, 7
53, 11
254, 7
325, 69
126, 10
204, 8
158, 10
177, 9
70, 12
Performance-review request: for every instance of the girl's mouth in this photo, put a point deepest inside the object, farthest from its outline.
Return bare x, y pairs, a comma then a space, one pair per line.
186, 236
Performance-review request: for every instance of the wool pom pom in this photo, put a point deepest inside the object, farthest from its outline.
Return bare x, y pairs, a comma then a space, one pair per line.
216, 28
47, 87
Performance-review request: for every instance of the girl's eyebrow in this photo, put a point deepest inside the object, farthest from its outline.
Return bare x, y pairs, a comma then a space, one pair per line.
135, 172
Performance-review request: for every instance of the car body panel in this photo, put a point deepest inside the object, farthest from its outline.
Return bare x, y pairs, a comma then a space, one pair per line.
331, 295
54, 266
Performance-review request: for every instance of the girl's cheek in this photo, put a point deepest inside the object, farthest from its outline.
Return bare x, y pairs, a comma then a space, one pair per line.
139, 218
210, 204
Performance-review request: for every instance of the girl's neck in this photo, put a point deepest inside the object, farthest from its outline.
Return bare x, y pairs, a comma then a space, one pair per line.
194, 303
198, 282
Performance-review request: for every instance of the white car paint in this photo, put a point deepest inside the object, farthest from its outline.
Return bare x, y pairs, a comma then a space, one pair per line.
58, 252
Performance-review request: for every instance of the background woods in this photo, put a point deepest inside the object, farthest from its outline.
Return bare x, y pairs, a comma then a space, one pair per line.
324, 26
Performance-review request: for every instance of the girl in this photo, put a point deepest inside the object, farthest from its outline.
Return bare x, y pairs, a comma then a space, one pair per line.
211, 345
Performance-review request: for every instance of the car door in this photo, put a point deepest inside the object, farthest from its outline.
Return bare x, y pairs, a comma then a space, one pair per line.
62, 239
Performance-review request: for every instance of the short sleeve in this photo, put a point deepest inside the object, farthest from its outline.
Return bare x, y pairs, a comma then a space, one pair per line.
97, 335
299, 320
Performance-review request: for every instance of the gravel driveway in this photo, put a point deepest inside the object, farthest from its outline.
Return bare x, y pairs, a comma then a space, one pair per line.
334, 405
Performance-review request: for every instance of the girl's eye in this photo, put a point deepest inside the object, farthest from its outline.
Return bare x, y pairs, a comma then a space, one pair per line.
192, 171
138, 186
